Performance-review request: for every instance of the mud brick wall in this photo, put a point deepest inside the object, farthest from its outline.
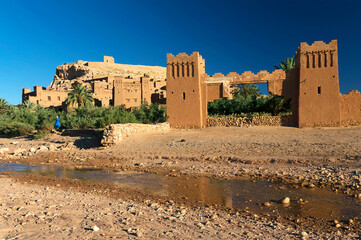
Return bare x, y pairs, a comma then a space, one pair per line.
247, 122
351, 108
115, 133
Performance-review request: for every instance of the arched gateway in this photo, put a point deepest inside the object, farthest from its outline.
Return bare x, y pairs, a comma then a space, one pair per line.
312, 85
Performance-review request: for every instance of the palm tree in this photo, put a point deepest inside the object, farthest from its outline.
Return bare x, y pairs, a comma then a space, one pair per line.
3, 104
80, 95
286, 66
246, 90
27, 104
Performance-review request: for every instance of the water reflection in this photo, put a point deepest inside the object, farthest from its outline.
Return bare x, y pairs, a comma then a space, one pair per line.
228, 193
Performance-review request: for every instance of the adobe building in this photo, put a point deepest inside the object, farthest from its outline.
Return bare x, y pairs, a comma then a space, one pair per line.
112, 84
312, 86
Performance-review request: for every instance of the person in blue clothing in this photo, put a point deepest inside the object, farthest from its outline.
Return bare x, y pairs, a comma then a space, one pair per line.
57, 123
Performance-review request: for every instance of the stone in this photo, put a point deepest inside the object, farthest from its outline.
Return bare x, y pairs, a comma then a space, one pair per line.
267, 204
286, 200
115, 133
214, 216
96, 228
19, 151
32, 150
304, 234
3, 150
52, 147
43, 148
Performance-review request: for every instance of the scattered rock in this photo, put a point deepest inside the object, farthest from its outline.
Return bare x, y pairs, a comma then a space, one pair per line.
304, 234
267, 204
96, 228
19, 151
3, 150
43, 148
214, 216
52, 147
286, 200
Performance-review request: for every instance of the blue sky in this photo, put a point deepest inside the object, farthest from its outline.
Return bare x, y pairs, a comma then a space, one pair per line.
232, 36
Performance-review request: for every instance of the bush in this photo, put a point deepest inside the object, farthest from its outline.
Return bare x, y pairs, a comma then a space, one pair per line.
15, 128
43, 119
39, 135
250, 106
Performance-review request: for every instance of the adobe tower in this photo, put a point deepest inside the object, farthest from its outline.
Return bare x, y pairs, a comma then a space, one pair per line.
186, 92
318, 101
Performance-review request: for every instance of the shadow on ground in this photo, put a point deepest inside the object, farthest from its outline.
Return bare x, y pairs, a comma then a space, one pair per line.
85, 138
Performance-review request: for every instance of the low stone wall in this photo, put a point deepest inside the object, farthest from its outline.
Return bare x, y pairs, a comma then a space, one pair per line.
115, 133
247, 122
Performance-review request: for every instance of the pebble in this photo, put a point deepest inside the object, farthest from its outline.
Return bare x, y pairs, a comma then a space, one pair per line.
304, 234
96, 228
286, 200
214, 216
267, 204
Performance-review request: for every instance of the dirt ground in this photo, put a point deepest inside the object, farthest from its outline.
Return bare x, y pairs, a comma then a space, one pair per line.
316, 158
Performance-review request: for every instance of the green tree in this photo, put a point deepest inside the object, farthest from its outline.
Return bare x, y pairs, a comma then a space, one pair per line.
287, 65
3, 105
80, 96
246, 90
278, 104
27, 105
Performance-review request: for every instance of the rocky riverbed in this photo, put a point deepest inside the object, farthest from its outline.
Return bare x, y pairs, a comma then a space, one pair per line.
304, 158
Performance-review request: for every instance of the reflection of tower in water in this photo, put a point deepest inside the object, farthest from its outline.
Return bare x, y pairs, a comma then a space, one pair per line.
204, 190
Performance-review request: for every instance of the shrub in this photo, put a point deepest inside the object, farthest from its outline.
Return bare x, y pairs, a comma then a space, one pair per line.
239, 105
45, 127
15, 128
39, 135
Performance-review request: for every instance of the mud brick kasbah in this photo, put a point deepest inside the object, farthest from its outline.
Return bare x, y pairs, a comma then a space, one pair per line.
313, 86
185, 88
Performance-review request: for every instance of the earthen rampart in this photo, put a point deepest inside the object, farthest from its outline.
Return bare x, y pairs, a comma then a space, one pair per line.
312, 85
115, 133
249, 122
351, 108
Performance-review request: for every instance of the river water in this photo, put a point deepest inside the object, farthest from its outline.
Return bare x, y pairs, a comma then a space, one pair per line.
240, 194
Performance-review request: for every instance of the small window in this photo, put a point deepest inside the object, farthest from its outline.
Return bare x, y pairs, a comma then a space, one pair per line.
184, 96
135, 90
319, 90
37, 102
49, 98
135, 99
58, 98
128, 100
